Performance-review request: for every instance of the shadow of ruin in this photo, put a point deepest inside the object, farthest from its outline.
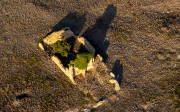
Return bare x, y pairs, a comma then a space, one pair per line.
96, 78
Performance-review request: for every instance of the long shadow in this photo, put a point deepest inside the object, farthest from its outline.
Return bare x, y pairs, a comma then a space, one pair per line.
97, 34
72, 20
118, 71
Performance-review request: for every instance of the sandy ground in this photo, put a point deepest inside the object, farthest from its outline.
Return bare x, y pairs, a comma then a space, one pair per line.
138, 39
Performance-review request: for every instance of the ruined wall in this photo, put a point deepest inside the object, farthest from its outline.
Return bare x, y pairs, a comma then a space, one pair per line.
61, 36
87, 45
90, 64
55, 36
68, 72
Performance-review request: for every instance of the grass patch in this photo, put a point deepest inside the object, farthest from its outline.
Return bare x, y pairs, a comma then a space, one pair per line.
48, 104
121, 34
28, 71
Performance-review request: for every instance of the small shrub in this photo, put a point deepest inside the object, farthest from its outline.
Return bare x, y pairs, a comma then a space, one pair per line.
62, 48
82, 59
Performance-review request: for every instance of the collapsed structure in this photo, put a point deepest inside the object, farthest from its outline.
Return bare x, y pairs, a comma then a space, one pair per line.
78, 45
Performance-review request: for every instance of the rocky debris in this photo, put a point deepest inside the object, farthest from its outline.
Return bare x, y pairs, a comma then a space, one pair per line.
146, 106
113, 98
16, 103
86, 110
166, 55
95, 84
41, 46
161, 57
112, 75
99, 103
60, 35
78, 45
72, 110
164, 29
178, 57
129, 5
114, 81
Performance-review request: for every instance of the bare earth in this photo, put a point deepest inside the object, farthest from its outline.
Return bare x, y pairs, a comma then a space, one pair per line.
138, 39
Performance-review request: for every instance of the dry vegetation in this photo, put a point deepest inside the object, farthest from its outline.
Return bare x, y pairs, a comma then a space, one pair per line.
144, 40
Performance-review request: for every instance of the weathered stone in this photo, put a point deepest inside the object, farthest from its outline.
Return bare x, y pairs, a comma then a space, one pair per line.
161, 57
16, 103
99, 103
178, 57
112, 75
86, 110
87, 45
72, 110
41, 46
113, 97
114, 81
55, 36
65, 70
66, 35
164, 29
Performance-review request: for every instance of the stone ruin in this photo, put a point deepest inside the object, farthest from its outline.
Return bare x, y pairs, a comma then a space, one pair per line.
78, 44
103, 81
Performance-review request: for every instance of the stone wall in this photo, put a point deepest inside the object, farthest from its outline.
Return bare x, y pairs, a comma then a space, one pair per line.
68, 72
55, 36
61, 36
87, 45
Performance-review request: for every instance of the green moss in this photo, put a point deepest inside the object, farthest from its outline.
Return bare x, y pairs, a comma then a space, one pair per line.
82, 59
62, 48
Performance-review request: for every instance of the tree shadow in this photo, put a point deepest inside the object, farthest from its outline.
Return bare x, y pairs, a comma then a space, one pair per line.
118, 71
73, 20
97, 34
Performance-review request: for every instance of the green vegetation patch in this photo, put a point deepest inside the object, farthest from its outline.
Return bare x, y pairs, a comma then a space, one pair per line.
62, 48
82, 59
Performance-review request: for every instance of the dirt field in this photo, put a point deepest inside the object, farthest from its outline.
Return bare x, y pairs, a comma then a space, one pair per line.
138, 39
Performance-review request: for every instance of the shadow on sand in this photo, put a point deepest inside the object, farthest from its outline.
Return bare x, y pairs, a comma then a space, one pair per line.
97, 34
118, 71
73, 20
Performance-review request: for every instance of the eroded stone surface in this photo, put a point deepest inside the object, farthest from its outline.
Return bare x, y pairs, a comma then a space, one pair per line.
55, 36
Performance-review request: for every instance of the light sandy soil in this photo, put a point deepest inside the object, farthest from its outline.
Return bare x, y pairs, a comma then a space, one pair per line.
138, 39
